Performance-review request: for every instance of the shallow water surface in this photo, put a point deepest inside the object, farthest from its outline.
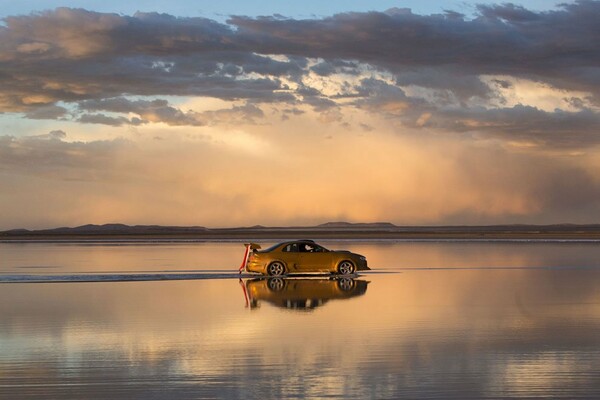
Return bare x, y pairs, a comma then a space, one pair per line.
432, 320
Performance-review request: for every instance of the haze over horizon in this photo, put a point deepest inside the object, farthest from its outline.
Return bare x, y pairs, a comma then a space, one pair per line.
475, 114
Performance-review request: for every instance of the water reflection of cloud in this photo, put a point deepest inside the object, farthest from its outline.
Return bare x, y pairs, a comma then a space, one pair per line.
448, 333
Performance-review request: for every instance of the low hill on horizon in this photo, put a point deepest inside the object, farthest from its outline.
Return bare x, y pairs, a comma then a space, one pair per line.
109, 229
353, 225
328, 229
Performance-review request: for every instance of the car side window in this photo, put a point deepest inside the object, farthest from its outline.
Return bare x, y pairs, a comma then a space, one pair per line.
291, 248
310, 248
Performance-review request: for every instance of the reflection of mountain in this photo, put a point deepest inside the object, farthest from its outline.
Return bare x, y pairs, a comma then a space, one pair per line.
301, 293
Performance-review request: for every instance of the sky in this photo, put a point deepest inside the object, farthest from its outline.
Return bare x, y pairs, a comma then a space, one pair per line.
239, 113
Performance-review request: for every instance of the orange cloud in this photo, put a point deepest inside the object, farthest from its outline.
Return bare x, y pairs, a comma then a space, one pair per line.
292, 172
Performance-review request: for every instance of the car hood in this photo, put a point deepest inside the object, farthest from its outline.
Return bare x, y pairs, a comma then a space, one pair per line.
347, 252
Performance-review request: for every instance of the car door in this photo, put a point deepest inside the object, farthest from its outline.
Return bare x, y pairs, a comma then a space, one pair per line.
314, 258
291, 256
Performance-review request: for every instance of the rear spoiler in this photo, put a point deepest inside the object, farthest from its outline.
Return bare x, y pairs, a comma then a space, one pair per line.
253, 246
249, 246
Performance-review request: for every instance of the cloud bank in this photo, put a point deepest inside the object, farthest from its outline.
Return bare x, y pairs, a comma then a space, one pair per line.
416, 119
75, 64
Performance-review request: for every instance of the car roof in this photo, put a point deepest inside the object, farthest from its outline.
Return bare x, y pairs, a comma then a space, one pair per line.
278, 245
294, 241
299, 241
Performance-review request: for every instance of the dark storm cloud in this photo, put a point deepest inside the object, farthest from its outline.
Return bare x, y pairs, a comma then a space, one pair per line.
149, 111
47, 112
502, 39
519, 123
248, 114
74, 55
449, 53
77, 33
160, 111
40, 84
559, 128
449, 79
106, 120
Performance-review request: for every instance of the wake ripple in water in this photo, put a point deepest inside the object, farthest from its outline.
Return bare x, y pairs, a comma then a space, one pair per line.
119, 277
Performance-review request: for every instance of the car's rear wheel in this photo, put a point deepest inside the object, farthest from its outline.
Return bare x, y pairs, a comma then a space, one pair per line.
345, 267
276, 268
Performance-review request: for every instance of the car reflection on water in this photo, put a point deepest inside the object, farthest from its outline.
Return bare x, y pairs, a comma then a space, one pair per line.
300, 293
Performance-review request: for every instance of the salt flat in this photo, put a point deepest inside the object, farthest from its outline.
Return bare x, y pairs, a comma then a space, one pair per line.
432, 320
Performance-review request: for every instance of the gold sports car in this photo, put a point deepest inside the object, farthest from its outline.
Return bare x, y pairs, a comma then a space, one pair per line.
302, 256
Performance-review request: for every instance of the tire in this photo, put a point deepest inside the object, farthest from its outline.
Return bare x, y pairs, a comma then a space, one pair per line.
276, 268
345, 268
276, 284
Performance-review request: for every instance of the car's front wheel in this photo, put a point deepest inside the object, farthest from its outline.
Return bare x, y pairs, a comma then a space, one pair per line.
345, 268
276, 268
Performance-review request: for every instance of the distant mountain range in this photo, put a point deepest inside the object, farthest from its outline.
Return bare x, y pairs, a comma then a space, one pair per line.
350, 225
337, 229
109, 229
